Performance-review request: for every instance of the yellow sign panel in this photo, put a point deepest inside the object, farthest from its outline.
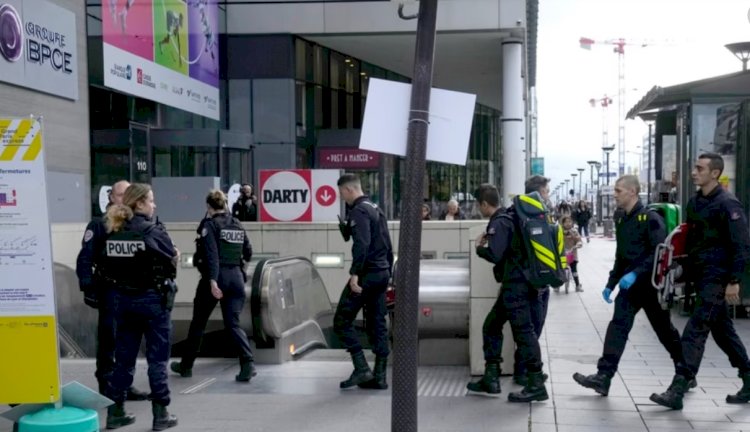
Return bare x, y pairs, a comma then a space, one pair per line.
29, 364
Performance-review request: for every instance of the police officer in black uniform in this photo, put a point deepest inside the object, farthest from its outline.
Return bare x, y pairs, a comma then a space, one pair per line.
639, 231
96, 296
718, 247
139, 264
223, 249
372, 260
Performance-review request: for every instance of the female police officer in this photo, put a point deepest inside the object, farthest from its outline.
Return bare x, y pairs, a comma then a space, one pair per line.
222, 250
139, 265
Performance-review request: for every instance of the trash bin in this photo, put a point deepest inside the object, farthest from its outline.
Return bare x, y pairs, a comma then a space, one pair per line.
608, 228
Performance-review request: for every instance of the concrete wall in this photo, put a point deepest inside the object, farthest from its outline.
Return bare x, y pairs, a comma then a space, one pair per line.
282, 239
364, 17
66, 126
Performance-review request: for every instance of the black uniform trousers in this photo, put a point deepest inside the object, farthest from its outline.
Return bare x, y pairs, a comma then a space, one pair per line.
514, 305
539, 301
105, 343
372, 298
139, 314
711, 315
627, 304
232, 285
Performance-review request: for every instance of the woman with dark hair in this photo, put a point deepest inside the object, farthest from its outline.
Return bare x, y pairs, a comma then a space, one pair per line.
223, 249
139, 265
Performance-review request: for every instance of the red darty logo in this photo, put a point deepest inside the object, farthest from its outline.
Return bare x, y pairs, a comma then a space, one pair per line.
287, 197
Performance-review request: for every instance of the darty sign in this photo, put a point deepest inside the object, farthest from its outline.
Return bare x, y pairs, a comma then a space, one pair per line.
299, 195
38, 47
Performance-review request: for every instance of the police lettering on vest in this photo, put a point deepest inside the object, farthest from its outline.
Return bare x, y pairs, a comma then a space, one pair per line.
124, 248
231, 238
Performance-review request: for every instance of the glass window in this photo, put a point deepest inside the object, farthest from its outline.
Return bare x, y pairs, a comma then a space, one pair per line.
714, 129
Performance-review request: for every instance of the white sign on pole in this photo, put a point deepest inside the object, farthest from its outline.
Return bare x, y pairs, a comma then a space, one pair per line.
29, 366
299, 195
386, 121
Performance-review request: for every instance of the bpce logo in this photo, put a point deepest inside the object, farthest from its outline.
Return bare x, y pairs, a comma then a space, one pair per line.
11, 33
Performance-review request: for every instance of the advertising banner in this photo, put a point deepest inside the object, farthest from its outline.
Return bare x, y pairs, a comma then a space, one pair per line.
164, 50
38, 47
299, 195
537, 166
29, 366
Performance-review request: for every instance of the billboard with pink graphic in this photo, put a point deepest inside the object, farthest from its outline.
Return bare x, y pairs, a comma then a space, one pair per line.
164, 50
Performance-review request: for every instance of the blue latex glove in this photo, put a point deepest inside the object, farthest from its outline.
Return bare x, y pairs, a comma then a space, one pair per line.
627, 280
605, 295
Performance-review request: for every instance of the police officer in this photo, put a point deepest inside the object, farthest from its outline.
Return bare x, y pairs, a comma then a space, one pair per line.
222, 251
718, 247
97, 297
139, 264
372, 259
638, 232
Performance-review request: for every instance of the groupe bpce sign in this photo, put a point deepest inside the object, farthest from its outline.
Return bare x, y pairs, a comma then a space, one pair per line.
38, 47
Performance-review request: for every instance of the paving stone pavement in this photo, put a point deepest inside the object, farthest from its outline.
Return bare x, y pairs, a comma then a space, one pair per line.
304, 395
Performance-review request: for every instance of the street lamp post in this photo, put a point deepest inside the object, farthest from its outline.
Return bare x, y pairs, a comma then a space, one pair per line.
573, 183
580, 182
591, 165
607, 150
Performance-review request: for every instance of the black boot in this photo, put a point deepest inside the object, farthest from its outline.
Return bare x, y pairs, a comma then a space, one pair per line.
162, 418
117, 417
523, 379
177, 367
742, 396
490, 382
672, 398
247, 371
534, 390
598, 382
361, 374
136, 395
380, 371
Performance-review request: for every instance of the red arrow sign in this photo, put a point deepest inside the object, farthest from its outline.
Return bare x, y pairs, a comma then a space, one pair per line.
325, 195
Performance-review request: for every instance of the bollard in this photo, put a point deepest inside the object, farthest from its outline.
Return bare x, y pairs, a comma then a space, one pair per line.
65, 419
608, 225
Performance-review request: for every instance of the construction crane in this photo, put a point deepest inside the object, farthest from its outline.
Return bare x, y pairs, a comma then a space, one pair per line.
619, 48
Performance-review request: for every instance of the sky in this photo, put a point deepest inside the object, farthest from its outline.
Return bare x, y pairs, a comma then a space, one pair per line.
685, 40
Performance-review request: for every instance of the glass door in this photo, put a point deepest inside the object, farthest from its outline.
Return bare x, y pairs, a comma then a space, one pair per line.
140, 166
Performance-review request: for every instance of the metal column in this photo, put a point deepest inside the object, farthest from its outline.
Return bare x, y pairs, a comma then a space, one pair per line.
513, 121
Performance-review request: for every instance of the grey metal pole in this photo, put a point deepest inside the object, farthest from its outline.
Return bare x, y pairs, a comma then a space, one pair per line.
648, 169
405, 343
607, 185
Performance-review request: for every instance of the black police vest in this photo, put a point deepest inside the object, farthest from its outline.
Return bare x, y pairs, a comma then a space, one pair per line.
126, 261
231, 237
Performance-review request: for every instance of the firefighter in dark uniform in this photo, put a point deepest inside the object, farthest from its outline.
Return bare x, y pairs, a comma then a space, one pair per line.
139, 264
372, 260
538, 297
223, 249
718, 247
514, 304
638, 232
99, 298
491, 247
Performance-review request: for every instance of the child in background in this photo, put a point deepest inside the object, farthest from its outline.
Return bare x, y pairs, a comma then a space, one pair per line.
572, 244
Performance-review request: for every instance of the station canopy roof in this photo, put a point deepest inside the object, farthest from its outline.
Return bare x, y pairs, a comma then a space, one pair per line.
731, 85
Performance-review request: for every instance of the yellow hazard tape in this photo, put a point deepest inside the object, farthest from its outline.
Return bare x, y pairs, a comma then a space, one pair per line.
18, 134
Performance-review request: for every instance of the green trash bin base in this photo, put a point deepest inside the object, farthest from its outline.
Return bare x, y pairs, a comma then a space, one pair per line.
65, 419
